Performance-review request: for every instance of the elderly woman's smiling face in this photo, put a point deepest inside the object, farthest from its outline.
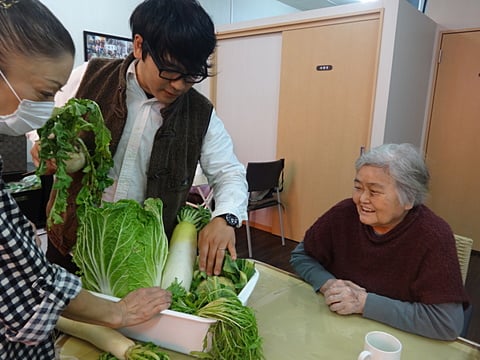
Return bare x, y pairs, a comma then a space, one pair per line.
376, 197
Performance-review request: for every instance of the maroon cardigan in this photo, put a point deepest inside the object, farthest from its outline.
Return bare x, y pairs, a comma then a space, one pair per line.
416, 261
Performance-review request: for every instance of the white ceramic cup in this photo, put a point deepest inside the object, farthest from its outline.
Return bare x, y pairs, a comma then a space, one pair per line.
380, 345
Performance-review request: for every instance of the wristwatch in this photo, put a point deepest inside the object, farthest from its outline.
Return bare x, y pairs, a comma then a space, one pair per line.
231, 219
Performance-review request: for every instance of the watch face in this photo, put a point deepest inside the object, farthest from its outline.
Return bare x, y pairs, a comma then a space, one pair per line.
231, 219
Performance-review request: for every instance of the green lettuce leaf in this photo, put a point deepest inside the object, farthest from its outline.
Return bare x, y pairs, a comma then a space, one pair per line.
60, 138
121, 246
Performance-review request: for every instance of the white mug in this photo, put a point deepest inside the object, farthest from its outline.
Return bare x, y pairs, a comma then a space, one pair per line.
381, 346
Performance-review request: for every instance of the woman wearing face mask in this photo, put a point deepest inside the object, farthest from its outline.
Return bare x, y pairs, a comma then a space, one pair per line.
29, 114
36, 57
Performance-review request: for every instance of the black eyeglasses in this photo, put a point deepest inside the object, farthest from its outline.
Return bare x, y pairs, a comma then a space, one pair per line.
174, 74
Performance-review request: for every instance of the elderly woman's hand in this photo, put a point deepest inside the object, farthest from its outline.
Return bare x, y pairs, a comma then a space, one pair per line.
140, 305
344, 297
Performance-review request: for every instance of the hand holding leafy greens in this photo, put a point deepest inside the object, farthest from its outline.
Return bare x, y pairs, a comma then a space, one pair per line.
60, 140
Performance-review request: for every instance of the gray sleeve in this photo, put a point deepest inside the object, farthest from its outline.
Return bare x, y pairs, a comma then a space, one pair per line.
439, 321
309, 268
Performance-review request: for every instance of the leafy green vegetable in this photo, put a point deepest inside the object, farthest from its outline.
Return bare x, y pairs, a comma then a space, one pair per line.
121, 246
59, 139
238, 271
198, 216
214, 283
146, 351
235, 334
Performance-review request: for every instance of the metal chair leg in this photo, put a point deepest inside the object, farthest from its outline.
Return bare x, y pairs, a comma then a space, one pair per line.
280, 217
249, 239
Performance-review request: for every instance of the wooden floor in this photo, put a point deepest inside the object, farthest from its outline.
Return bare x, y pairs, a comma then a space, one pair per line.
268, 248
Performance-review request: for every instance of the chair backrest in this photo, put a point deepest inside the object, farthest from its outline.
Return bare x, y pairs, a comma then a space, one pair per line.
464, 249
265, 175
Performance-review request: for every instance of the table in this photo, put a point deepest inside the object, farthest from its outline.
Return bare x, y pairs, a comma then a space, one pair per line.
295, 323
31, 193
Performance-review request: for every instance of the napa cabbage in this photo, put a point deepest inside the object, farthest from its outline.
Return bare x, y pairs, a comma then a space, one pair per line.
121, 246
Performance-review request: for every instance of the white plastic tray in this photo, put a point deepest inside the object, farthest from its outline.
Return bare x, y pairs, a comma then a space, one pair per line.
178, 331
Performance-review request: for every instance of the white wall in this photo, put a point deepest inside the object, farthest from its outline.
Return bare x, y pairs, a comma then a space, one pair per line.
454, 14
232, 11
412, 69
254, 9
247, 99
219, 10
103, 16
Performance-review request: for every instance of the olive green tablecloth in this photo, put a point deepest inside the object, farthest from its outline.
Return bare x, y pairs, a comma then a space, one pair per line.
295, 324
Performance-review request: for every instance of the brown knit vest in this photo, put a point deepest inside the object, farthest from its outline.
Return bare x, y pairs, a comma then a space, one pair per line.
175, 152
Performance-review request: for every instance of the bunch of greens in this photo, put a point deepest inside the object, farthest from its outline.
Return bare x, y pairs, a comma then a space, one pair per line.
235, 275
60, 141
146, 351
197, 216
121, 246
235, 334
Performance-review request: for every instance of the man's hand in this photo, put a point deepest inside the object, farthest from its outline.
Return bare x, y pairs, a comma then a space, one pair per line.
344, 297
213, 240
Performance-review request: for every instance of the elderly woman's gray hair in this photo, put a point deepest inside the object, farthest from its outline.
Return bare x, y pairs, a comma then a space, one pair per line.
405, 165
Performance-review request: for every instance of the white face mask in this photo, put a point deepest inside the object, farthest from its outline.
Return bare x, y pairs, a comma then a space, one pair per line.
30, 115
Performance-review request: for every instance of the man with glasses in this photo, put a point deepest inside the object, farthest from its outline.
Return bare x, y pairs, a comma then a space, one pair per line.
161, 127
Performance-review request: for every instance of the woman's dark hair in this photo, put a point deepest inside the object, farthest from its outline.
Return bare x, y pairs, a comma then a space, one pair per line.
29, 28
179, 32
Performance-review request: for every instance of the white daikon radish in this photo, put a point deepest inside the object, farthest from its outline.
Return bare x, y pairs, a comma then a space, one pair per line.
104, 338
182, 250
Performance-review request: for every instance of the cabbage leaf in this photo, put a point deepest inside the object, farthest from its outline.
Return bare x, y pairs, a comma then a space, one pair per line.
121, 246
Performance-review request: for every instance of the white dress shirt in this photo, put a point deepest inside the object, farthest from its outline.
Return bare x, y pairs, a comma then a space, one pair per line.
225, 174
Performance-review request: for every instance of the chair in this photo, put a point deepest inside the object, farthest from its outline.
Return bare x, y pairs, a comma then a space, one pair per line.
265, 181
464, 249
201, 188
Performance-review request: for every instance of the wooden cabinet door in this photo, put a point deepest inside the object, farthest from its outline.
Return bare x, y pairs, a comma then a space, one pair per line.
452, 149
324, 115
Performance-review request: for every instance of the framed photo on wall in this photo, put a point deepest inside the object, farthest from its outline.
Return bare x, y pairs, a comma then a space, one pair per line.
106, 46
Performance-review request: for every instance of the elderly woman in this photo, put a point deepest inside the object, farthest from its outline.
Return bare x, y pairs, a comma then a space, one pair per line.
384, 254
36, 57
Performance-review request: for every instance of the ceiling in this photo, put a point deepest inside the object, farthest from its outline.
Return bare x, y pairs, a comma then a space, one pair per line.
315, 4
